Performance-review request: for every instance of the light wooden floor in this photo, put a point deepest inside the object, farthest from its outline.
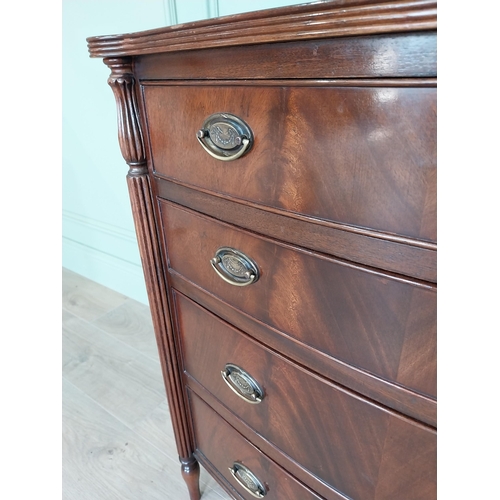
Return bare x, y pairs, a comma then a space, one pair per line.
117, 437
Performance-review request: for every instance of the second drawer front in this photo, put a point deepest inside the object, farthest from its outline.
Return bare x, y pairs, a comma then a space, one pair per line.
346, 441
371, 321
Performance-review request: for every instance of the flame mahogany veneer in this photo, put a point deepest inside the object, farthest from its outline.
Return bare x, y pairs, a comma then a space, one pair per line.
316, 380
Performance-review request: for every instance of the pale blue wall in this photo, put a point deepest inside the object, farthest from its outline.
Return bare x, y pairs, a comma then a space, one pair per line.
98, 232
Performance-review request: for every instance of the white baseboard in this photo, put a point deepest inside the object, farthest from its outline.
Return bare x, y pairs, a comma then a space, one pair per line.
103, 253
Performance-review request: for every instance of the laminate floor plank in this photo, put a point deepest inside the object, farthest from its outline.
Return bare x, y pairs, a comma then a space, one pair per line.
78, 484
131, 323
101, 451
118, 441
156, 428
125, 382
153, 429
87, 299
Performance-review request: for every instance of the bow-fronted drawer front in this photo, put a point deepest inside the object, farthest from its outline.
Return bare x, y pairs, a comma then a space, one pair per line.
247, 470
359, 156
375, 322
348, 442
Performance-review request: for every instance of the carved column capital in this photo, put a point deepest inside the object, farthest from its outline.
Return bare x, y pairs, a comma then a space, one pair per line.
130, 137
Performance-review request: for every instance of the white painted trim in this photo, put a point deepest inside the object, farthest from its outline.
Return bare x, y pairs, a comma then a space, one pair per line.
170, 8
108, 270
103, 252
213, 8
96, 225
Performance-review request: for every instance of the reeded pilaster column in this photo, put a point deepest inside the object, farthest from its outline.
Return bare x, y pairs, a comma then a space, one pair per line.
131, 141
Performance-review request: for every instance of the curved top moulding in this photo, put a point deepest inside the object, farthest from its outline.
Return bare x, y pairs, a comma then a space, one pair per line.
308, 21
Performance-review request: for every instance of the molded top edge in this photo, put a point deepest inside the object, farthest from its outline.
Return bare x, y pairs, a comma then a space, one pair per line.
323, 19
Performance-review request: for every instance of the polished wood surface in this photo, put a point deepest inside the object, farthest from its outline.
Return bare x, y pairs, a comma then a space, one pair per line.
355, 429
130, 137
389, 394
352, 313
336, 204
339, 18
374, 146
383, 56
223, 446
394, 253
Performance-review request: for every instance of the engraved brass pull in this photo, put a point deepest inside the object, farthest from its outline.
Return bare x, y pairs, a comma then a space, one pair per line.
225, 137
242, 384
234, 267
248, 480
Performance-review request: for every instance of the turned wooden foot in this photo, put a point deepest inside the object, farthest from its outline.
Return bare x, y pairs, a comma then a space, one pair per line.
191, 473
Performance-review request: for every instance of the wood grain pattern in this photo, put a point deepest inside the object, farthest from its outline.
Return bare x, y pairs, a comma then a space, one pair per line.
348, 312
131, 322
295, 469
120, 412
139, 190
104, 459
383, 56
223, 446
355, 430
392, 253
336, 202
87, 299
321, 20
156, 428
389, 394
376, 147
122, 81
123, 381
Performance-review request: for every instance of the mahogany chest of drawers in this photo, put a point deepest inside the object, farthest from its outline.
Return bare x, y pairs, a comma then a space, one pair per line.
283, 185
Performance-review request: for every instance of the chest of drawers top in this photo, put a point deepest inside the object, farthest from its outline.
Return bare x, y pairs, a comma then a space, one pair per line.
292, 153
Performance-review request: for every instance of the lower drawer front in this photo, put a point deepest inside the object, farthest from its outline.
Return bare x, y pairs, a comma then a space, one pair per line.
226, 449
357, 447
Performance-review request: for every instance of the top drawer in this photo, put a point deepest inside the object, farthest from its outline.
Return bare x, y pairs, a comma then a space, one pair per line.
361, 156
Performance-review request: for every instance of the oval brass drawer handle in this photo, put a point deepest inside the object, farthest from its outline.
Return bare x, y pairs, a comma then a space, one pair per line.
242, 384
248, 480
234, 267
225, 136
